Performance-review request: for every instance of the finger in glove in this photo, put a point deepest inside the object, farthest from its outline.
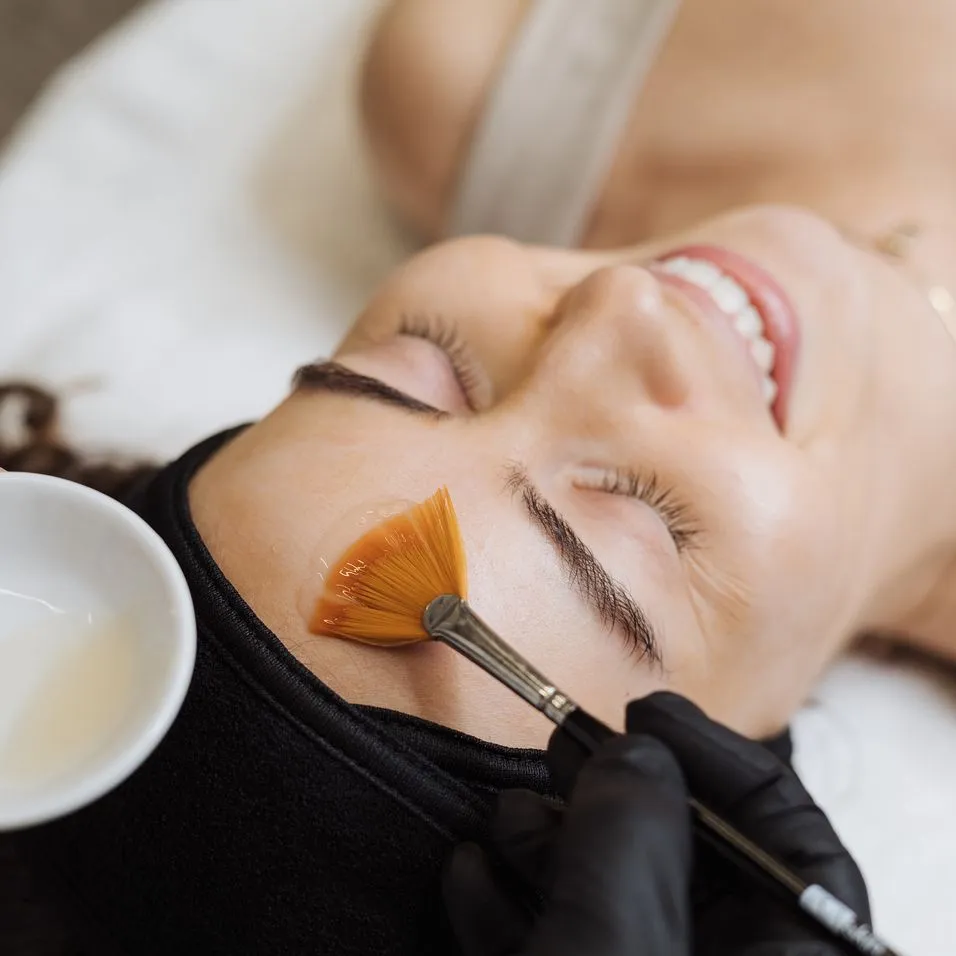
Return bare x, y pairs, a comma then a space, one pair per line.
622, 858
487, 917
754, 791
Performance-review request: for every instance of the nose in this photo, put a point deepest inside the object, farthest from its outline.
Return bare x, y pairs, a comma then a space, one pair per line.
615, 329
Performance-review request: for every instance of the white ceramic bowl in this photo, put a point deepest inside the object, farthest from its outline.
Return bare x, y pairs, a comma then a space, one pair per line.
97, 645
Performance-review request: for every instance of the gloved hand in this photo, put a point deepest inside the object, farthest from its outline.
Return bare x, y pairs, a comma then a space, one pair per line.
611, 875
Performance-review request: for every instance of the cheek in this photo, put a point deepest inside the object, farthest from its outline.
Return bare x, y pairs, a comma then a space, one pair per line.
807, 595
776, 567
775, 600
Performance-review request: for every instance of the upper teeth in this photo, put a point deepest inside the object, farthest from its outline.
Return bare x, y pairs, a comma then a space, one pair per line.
733, 299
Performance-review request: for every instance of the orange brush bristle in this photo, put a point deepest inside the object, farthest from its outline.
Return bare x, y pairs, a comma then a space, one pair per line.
378, 590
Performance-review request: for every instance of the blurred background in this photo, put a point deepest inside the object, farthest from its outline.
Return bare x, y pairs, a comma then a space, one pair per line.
37, 36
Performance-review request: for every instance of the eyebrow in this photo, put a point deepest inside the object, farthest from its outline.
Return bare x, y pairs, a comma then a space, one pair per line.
336, 378
612, 602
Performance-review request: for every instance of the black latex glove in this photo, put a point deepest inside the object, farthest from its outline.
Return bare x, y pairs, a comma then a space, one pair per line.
610, 875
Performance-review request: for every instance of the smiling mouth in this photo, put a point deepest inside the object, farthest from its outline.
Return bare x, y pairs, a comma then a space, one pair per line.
754, 305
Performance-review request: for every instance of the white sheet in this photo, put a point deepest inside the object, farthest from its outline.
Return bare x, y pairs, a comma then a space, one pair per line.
187, 215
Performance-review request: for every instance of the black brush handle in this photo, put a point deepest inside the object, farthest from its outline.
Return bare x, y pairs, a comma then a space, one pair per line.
840, 922
586, 731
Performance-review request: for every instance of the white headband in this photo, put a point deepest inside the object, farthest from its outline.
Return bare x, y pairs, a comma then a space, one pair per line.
551, 126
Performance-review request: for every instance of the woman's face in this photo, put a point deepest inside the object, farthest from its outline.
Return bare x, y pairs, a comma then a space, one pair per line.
650, 493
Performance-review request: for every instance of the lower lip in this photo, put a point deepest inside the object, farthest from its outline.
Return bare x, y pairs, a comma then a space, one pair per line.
781, 328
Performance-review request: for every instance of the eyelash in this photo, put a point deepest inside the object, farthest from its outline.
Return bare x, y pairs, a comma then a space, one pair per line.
445, 335
647, 487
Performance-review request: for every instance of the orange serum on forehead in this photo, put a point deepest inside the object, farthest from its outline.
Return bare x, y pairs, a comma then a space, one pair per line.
372, 592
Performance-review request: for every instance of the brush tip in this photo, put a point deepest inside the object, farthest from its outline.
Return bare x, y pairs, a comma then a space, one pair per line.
379, 590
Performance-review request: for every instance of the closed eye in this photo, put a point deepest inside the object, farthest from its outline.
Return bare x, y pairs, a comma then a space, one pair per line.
678, 517
445, 336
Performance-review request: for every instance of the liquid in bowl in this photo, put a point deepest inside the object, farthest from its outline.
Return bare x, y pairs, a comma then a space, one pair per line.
68, 680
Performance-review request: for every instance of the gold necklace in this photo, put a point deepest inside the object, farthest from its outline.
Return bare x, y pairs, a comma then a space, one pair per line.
897, 243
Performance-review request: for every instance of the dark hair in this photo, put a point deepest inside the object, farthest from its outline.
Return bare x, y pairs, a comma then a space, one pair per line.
30, 441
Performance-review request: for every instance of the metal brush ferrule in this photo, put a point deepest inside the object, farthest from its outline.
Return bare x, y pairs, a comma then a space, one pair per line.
450, 619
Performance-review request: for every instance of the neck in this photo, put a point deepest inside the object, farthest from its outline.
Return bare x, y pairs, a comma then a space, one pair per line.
915, 600
916, 596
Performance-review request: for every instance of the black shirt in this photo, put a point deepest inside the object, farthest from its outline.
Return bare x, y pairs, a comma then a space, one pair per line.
275, 817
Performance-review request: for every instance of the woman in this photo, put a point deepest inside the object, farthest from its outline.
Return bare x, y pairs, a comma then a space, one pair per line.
565, 398
601, 423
